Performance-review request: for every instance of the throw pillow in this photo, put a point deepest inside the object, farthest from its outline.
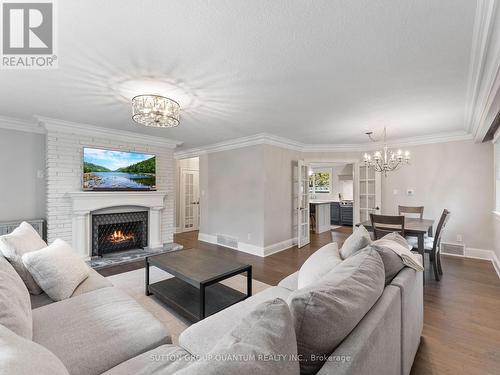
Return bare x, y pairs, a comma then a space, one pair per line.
21, 356
263, 343
21, 241
392, 261
319, 264
57, 269
358, 240
326, 312
15, 305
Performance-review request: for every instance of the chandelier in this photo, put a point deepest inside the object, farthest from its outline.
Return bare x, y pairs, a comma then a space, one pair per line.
386, 160
155, 110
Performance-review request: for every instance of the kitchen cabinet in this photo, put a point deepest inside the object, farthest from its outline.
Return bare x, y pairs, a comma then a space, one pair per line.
335, 213
346, 214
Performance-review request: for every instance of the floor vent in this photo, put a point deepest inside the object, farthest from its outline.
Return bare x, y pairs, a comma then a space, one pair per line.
453, 248
227, 241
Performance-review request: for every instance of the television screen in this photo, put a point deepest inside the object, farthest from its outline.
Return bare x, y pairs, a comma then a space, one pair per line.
115, 170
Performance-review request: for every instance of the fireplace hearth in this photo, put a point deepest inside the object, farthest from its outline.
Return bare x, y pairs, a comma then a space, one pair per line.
119, 232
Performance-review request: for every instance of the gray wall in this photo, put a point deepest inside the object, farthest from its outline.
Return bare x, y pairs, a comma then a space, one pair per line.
278, 166
249, 190
453, 175
232, 194
22, 193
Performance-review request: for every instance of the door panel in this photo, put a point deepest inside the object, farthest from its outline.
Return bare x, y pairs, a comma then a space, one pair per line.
370, 192
302, 204
190, 199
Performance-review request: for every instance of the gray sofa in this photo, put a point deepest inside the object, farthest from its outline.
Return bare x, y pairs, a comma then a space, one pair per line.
96, 329
100, 329
384, 342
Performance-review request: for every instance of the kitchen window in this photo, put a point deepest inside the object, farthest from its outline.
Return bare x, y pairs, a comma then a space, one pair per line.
320, 181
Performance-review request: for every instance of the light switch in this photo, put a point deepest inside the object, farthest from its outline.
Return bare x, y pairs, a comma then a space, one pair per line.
395, 192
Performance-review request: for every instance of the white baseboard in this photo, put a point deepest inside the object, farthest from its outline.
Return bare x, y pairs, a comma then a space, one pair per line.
279, 246
249, 248
483, 254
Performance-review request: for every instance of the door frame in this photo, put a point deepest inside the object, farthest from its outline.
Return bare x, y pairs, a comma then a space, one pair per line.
182, 211
355, 178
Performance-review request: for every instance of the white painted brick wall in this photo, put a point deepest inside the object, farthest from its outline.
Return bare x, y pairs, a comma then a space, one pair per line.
64, 175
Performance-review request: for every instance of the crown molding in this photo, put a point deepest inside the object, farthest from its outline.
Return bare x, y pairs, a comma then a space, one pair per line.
273, 140
484, 78
20, 125
56, 125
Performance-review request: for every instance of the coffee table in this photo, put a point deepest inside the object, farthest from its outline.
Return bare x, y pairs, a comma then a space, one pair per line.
195, 290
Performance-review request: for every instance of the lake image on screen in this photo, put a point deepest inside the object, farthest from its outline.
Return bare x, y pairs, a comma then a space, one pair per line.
106, 169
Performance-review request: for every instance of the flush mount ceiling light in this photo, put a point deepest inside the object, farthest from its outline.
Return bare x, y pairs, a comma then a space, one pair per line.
155, 111
386, 160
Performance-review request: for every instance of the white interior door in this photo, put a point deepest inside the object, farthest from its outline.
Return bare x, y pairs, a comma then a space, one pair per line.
370, 192
302, 204
190, 200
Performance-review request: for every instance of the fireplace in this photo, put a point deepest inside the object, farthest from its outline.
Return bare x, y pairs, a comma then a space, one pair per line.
119, 232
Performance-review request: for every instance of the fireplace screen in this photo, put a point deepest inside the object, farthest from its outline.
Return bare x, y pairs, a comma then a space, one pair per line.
120, 231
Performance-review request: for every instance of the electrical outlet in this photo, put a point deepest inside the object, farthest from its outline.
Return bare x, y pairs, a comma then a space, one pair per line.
459, 238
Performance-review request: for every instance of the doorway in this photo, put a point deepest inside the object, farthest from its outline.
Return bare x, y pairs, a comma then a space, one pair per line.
188, 195
333, 199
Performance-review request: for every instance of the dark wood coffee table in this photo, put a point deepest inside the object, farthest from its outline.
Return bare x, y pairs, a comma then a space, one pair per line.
195, 290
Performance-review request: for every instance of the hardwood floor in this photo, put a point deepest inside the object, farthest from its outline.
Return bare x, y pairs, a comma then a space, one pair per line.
461, 312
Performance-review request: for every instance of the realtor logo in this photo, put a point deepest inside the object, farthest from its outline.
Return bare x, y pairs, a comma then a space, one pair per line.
28, 35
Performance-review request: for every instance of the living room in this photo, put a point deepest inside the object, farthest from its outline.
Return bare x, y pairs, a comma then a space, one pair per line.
262, 187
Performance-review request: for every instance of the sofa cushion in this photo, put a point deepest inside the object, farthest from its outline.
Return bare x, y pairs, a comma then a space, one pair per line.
319, 264
266, 332
15, 306
21, 356
22, 240
93, 282
358, 240
392, 261
201, 337
164, 360
96, 331
291, 282
56, 269
326, 312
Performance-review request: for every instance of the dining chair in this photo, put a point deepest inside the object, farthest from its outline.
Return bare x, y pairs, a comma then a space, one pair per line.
432, 245
384, 224
417, 210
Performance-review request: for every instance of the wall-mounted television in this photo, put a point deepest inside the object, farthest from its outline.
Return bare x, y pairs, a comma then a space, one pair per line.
118, 170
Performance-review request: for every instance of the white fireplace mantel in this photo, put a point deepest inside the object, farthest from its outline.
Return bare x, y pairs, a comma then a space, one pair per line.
85, 202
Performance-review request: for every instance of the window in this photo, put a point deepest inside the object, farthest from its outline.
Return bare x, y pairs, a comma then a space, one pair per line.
320, 182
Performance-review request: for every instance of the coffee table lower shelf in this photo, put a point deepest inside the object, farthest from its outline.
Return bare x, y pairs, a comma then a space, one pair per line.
185, 298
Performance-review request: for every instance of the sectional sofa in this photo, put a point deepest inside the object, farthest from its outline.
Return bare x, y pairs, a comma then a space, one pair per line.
101, 330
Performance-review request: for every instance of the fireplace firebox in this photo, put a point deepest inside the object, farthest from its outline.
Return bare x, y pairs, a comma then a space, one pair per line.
119, 232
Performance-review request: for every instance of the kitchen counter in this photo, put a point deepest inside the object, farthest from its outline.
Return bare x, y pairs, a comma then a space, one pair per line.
322, 201
321, 209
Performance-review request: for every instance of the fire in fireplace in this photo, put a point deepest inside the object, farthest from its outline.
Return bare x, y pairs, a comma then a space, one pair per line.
119, 237
118, 232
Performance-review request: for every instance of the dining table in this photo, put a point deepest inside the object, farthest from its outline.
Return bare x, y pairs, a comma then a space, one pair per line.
414, 227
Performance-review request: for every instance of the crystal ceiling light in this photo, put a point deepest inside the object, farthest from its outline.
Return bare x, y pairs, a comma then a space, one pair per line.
386, 160
155, 111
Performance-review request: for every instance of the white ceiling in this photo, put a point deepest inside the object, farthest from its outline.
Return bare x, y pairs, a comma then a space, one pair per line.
321, 71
